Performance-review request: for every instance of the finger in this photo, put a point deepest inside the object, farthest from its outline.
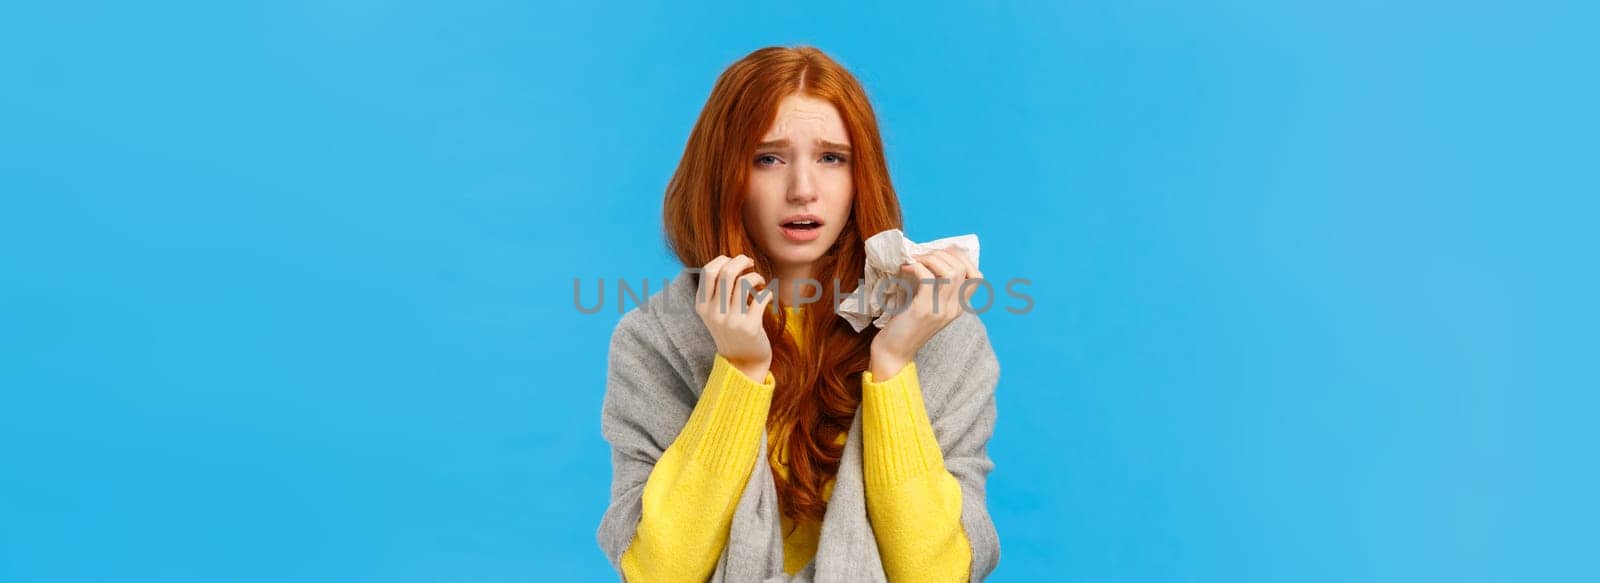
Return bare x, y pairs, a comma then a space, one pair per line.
908, 274
957, 260
726, 291
924, 280
972, 267
972, 273
760, 307
745, 289
960, 259
708, 282
958, 267
938, 263
950, 293
953, 295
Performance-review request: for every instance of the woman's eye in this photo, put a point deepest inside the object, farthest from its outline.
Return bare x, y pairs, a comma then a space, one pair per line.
766, 160
832, 158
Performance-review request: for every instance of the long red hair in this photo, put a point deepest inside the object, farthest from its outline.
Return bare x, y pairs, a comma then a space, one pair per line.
818, 390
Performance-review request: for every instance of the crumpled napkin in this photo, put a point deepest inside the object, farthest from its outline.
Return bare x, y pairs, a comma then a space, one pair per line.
886, 252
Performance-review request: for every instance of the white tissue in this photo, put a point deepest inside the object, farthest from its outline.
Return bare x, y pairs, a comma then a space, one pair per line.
886, 252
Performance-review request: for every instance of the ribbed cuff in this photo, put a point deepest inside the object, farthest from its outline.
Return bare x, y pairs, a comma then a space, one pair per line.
897, 437
726, 425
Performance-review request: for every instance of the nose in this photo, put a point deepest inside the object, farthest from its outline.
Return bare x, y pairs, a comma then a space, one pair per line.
802, 185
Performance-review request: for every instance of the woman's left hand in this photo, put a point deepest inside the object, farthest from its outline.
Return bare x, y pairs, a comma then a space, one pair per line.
897, 344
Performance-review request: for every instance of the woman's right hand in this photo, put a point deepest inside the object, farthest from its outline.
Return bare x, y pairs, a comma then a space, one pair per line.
735, 321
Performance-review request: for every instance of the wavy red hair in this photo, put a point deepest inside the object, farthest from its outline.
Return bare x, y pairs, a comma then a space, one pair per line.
819, 388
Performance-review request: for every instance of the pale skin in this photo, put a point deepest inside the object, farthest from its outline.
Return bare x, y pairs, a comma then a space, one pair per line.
803, 167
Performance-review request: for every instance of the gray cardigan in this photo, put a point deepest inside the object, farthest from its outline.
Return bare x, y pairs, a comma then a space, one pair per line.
661, 355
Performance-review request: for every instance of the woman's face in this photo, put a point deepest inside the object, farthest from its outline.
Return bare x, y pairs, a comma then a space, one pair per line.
800, 187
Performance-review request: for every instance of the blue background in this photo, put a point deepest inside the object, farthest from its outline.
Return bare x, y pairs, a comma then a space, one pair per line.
286, 287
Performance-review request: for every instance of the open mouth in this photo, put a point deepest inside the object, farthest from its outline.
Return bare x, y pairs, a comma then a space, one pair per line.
801, 228
804, 225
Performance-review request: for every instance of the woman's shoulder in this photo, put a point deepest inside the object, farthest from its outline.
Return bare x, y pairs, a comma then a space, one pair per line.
958, 364
668, 308
664, 334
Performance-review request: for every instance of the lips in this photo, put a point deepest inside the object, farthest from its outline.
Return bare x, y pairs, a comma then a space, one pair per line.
801, 228
802, 222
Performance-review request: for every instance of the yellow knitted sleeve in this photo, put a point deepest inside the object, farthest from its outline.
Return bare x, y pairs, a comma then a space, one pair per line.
691, 493
912, 500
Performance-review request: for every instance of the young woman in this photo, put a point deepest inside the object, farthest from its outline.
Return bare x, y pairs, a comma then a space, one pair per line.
757, 444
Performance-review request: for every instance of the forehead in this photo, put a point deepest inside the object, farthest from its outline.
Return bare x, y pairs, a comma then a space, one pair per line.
803, 116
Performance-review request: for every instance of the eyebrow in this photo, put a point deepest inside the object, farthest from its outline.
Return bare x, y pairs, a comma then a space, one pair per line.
827, 145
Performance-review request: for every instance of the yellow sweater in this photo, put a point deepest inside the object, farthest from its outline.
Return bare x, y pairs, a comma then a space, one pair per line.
913, 502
